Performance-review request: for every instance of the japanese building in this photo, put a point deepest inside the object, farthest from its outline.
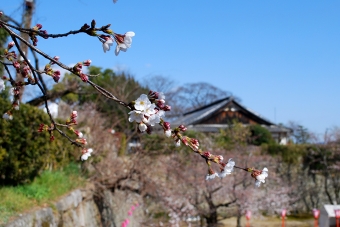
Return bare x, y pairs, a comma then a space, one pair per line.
222, 113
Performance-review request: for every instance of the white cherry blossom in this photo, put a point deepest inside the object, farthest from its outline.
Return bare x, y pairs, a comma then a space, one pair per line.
155, 118
7, 116
136, 116
178, 143
228, 168
107, 44
86, 154
142, 103
150, 110
167, 133
261, 178
211, 176
123, 41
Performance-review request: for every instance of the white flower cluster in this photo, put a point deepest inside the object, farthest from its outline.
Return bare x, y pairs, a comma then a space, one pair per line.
228, 168
123, 42
261, 178
145, 113
226, 171
86, 154
7, 116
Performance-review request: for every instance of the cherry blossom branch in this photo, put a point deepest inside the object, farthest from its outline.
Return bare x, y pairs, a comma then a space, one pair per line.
147, 111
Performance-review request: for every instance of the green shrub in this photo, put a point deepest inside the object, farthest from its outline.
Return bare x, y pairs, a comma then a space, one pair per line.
260, 135
235, 135
24, 152
289, 153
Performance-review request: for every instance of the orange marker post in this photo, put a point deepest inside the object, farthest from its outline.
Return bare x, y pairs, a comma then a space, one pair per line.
316, 214
283, 215
248, 216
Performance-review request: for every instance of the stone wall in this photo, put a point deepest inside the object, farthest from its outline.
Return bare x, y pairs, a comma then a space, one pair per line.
84, 208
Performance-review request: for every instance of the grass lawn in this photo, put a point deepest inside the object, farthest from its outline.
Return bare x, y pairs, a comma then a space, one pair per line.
46, 188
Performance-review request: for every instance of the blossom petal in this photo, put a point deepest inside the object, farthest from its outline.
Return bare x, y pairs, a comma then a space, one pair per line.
131, 34
257, 183
211, 176
117, 50
142, 127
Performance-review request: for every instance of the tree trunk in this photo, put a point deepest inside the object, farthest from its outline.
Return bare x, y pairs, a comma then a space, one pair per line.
212, 219
238, 223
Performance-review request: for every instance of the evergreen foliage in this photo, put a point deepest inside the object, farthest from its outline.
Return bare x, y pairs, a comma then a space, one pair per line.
235, 134
260, 135
24, 152
291, 153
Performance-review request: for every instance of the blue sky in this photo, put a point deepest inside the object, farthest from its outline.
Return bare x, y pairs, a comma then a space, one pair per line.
282, 58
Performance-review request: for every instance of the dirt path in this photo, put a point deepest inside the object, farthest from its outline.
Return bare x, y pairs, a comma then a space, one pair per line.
269, 222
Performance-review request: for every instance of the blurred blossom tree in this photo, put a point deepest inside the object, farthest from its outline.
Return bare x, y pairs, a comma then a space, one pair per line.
101, 93
145, 112
159, 169
185, 194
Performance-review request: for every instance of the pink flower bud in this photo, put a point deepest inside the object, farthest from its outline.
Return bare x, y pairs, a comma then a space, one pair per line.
160, 104
74, 114
78, 67
87, 63
82, 141
149, 130
26, 70
194, 142
185, 140
35, 41
44, 34
220, 158
41, 128
167, 108
182, 128
39, 26
207, 154
79, 134
16, 65
56, 76
84, 77
10, 45
153, 94
119, 38
166, 125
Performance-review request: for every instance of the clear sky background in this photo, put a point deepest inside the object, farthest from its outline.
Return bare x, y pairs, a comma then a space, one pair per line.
281, 58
